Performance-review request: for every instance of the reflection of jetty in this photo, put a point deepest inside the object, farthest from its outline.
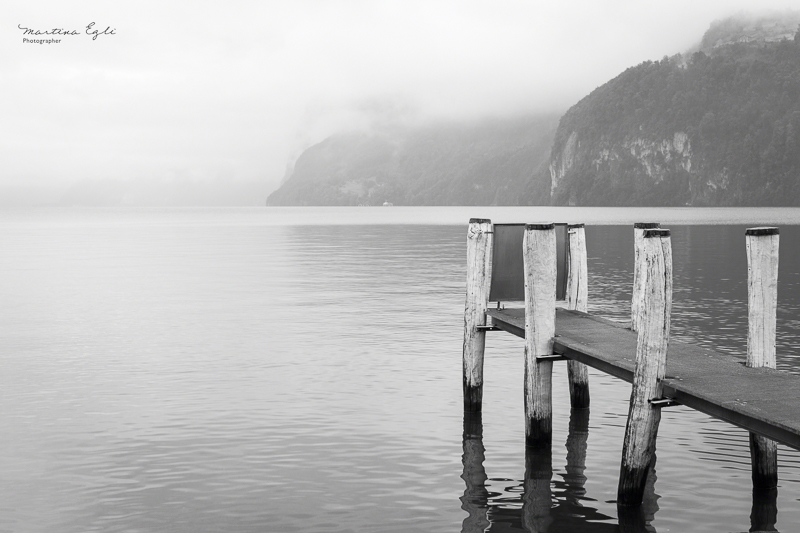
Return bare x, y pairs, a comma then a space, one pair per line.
531, 264
538, 512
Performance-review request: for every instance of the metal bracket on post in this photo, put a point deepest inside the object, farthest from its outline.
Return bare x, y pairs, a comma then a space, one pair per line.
490, 327
663, 402
554, 357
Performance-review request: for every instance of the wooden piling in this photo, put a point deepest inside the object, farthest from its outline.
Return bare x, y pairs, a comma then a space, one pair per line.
479, 276
762, 297
539, 258
636, 299
577, 296
638, 449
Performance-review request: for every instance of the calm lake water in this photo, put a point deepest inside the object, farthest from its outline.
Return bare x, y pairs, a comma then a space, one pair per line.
299, 370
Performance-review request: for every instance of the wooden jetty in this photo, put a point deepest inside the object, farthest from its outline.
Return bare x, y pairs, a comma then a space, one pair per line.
753, 396
764, 401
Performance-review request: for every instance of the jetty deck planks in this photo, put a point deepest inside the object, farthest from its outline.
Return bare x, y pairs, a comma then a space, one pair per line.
761, 400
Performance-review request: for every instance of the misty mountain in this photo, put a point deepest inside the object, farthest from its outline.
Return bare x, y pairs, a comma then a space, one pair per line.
480, 163
719, 126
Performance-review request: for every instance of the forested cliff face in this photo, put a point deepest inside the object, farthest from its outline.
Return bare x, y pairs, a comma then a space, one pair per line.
493, 162
719, 127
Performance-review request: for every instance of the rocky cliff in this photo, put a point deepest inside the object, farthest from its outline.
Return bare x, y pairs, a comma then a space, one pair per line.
719, 127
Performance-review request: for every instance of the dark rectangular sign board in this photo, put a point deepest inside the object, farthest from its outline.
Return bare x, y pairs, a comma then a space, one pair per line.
508, 283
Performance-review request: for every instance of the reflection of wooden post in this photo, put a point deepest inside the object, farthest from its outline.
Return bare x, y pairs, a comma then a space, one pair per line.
475, 500
539, 257
479, 276
764, 513
638, 449
639, 519
577, 438
537, 496
632, 520
650, 499
762, 300
638, 242
577, 295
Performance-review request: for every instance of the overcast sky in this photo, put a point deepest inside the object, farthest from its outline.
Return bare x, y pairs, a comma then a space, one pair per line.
235, 89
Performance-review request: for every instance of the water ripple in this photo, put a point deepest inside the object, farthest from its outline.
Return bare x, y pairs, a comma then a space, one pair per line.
224, 371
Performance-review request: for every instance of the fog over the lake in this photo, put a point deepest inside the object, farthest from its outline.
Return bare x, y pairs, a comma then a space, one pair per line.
207, 102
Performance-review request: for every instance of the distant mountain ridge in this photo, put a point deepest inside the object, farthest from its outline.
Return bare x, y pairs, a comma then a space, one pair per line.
485, 162
717, 126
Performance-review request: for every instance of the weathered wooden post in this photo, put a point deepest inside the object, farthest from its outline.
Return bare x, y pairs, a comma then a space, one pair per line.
577, 296
479, 276
638, 449
638, 241
762, 301
539, 259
